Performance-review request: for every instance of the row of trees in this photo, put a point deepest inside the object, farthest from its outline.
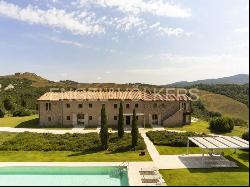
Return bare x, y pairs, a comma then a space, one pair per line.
104, 135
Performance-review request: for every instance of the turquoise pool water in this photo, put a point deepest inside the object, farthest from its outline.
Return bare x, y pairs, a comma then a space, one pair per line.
63, 176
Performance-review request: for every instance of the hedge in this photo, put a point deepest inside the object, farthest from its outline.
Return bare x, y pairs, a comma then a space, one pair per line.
21, 112
67, 142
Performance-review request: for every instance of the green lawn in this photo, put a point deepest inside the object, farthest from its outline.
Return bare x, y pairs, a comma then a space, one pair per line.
23, 122
212, 177
202, 127
168, 150
67, 156
29, 121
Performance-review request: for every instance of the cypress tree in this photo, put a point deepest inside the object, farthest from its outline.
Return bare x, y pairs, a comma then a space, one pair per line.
104, 136
121, 122
1, 113
134, 131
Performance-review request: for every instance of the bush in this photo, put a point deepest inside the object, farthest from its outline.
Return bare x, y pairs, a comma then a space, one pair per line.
170, 138
1, 113
239, 122
21, 112
212, 114
245, 136
221, 125
8, 105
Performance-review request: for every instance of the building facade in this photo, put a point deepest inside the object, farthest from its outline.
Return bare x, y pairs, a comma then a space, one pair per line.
83, 109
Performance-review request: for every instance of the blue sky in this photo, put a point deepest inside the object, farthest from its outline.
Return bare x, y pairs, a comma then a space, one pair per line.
121, 41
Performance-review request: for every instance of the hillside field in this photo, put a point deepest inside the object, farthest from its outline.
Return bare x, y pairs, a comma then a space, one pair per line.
225, 105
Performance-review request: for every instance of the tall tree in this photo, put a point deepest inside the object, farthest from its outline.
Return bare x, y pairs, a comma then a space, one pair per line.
1, 113
8, 105
134, 131
121, 122
104, 136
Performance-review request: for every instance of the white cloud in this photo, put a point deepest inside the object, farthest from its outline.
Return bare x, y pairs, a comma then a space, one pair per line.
168, 31
52, 17
80, 45
68, 42
171, 31
155, 7
129, 22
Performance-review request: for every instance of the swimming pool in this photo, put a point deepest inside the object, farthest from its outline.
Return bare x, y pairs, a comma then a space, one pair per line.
63, 176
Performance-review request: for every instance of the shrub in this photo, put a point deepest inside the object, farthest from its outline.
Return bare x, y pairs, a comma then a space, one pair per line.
221, 124
239, 122
170, 138
21, 112
8, 105
245, 136
1, 113
212, 114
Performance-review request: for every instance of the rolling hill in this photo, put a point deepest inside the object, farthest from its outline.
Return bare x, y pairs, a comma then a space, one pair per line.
236, 79
224, 105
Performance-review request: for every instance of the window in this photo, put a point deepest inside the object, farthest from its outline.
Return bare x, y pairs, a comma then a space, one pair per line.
136, 105
155, 105
115, 118
68, 118
155, 117
90, 117
49, 119
80, 106
80, 116
48, 106
127, 105
68, 105
115, 105
90, 105
185, 106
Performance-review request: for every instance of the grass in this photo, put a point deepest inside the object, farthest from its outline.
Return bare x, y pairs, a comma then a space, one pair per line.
212, 177
203, 127
169, 150
67, 156
225, 105
31, 121
23, 122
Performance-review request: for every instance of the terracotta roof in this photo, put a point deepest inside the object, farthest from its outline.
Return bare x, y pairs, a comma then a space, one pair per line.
110, 95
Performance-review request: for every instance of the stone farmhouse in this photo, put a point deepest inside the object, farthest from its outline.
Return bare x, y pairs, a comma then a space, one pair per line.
83, 109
